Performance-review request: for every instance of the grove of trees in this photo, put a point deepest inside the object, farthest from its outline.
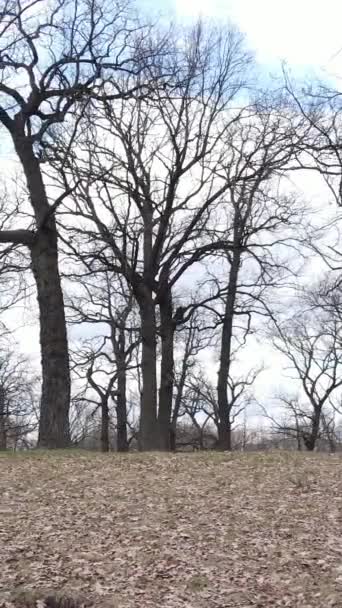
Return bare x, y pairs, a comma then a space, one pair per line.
153, 215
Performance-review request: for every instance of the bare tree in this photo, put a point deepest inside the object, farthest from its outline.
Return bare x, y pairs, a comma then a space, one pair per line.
239, 396
260, 222
101, 385
191, 339
18, 395
54, 58
312, 345
103, 303
147, 186
320, 150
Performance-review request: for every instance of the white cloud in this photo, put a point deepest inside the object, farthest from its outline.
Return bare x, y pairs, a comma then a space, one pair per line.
302, 32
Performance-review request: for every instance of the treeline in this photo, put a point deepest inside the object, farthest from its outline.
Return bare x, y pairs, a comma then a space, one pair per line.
156, 184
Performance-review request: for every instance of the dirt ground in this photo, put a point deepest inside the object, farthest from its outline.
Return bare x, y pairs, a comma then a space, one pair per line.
171, 531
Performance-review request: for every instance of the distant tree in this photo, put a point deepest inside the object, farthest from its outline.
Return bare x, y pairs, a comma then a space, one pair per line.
261, 223
191, 339
104, 303
312, 344
203, 399
18, 400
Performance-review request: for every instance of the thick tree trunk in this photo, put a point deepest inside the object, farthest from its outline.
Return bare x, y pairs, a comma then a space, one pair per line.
55, 399
224, 433
224, 425
104, 425
310, 439
167, 330
148, 432
309, 442
173, 437
55, 402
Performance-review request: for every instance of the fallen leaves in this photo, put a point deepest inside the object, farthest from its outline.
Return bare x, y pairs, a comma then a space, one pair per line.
172, 531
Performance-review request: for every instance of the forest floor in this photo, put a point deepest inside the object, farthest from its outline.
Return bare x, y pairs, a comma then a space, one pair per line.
171, 531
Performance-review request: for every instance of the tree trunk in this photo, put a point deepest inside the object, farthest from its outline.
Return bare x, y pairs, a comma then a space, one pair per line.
180, 390
173, 436
121, 405
3, 420
148, 432
224, 433
55, 401
104, 425
298, 434
224, 424
178, 402
311, 438
167, 330
309, 442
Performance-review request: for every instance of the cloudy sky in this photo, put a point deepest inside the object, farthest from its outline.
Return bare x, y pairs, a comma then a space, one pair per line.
305, 33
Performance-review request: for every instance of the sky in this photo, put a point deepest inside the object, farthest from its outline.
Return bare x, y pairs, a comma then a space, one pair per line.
304, 33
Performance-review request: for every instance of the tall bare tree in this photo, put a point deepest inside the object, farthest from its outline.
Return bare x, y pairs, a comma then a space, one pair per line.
147, 186
260, 223
54, 58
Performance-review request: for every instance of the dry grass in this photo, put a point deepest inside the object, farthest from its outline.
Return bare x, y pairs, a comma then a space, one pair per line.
203, 530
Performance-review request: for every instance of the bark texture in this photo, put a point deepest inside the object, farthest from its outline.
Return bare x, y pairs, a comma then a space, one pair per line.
55, 399
121, 405
310, 438
224, 424
167, 329
148, 433
3, 420
104, 425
